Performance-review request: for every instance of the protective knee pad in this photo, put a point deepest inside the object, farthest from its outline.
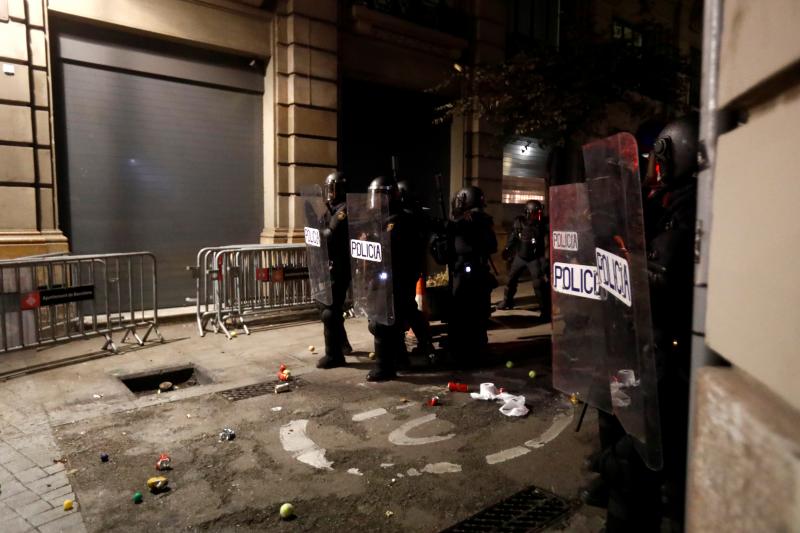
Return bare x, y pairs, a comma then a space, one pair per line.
328, 316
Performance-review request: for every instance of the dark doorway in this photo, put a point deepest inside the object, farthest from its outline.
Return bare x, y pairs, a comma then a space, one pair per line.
378, 122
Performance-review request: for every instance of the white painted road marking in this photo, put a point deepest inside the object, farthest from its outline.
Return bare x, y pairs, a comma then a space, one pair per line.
360, 417
399, 437
560, 422
442, 468
505, 455
295, 441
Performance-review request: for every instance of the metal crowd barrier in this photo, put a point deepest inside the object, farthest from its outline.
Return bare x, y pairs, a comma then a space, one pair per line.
235, 282
54, 298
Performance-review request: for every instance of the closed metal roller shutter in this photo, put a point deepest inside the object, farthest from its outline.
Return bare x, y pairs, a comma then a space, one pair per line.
156, 163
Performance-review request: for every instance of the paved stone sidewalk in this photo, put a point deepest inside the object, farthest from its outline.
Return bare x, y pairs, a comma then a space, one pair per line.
32, 486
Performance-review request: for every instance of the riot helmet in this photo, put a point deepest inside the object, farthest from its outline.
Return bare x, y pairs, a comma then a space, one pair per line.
335, 187
470, 197
382, 187
405, 190
675, 151
534, 210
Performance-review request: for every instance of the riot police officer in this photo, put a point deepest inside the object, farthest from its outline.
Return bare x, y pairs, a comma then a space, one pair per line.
390, 350
670, 250
634, 491
471, 241
528, 244
335, 232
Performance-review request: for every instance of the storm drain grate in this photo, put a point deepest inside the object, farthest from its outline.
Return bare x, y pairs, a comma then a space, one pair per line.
530, 510
256, 389
249, 391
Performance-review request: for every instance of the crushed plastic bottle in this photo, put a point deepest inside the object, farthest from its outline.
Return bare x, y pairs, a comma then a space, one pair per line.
227, 434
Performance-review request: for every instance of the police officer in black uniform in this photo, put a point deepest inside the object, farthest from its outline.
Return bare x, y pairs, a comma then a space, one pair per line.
335, 232
529, 241
390, 349
635, 492
670, 249
471, 241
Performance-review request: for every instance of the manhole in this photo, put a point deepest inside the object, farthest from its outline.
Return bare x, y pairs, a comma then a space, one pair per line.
532, 509
256, 389
143, 383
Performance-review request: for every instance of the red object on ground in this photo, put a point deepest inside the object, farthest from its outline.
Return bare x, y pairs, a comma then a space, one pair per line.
163, 462
283, 377
457, 387
434, 401
282, 368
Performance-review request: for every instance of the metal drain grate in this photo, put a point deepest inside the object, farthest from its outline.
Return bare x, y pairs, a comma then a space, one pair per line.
530, 510
249, 391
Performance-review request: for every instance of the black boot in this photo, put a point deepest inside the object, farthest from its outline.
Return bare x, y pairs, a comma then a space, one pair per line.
327, 362
595, 494
381, 374
346, 348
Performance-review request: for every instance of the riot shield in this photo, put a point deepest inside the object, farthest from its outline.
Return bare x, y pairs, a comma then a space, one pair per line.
612, 179
578, 327
319, 274
371, 257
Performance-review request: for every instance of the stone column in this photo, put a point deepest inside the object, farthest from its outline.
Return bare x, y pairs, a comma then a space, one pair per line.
483, 165
305, 71
28, 214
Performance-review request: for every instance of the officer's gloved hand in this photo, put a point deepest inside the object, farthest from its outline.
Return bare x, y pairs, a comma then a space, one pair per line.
656, 274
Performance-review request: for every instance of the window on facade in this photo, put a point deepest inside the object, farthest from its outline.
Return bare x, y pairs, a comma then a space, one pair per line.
623, 31
518, 196
532, 22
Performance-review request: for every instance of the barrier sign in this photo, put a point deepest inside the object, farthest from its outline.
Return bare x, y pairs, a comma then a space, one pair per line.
614, 275
277, 274
45, 297
312, 236
576, 280
565, 240
367, 250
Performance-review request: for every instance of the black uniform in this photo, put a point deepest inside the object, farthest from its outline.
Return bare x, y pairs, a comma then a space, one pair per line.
528, 239
335, 232
338, 246
471, 242
671, 269
390, 348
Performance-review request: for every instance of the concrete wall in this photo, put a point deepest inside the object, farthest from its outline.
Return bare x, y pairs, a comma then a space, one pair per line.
305, 106
27, 190
745, 464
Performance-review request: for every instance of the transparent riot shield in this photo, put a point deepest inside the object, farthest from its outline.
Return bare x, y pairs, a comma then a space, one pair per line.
579, 363
371, 257
612, 178
319, 274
